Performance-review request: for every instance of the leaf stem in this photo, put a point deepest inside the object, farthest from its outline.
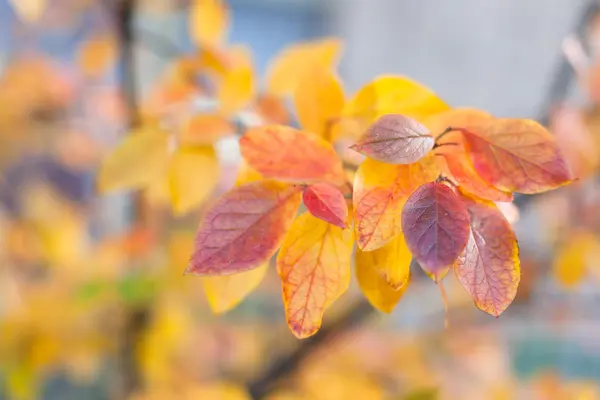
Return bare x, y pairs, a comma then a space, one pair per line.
441, 135
445, 300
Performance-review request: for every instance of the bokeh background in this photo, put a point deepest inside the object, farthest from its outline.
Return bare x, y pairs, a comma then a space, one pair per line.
93, 304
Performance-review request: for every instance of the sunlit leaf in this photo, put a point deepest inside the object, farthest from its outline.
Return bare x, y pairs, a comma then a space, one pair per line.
435, 223
208, 21
489, 268
391, 262
289, 67
237, 86
389, 95
575, 258
517, 155
244, 228
319, 100
395, 139
193, 175
272, 109
96, 55
380, 191
287, 154
314, 266
135, 161
226, 292
327, 203
205, 129
376, 289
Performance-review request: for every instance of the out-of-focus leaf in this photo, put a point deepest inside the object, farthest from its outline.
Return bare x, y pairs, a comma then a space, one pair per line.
395, 139
326, 202
135, 162
380, 191
314, 266
193, 175
237, 87
136, 289
575, 258
287, 154
319, 100
289, 67
209, 22
246, 174
29, 11
489, 268
423, 394
226, 292
204, 129
95, 56
219, 391
376, 289
244, 228
272, 109
435, 223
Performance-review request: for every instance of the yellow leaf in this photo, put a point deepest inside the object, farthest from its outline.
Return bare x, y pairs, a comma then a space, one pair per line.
136, 160
29, 11
21, 382
314, 267
226, 292
96, 55
247, 174
391, 262
209, 21
193, 175
319, 100
219, 391
288, 68
237, 87
388, 95
375, 288
575, 257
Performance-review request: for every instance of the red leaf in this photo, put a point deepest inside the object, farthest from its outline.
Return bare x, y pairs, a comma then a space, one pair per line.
435, 223
489, 267
395, 139
287, 154
326, 202
244, 228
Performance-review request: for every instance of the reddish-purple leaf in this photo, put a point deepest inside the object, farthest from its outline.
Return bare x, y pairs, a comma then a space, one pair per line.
395, 139
436, 227
326, 202
244, 228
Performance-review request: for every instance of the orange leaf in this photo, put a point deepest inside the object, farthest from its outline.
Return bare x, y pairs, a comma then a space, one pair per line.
209, 21
272, 109
435, 223
96, 55
314, 266
380, 191
205, 129
516, 155
391, 262
244, 228
326, 202
287, 154
319, 99
375, 288
395, 139
489, 267
289, 67
459, 167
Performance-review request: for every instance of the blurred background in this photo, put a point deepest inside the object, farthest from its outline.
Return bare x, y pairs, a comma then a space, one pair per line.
93, 304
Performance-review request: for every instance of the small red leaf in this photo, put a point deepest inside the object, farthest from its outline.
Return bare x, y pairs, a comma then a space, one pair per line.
244, 228
395, 139
436, 227
326, 202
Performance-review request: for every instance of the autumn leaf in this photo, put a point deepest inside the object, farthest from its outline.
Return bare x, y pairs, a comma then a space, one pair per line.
489, 268
435, 223
96, 55
388, 95
319, 100
204, 129
209, 21
246, 174
314, 267
326, 202
244, 228
287, 154
516, 155
226, 292
237, 86
574, 258
193, 175
395, 139
375, 269
135, 161
272, 109
380, 191
289, 67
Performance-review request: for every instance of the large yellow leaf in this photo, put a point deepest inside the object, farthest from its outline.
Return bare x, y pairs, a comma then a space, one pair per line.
314, 267
388, 95
226, 292
136, 161
193, 175
29, 11
376, 289
289, 67
209, 21
319, 99
391, 262
574, 258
